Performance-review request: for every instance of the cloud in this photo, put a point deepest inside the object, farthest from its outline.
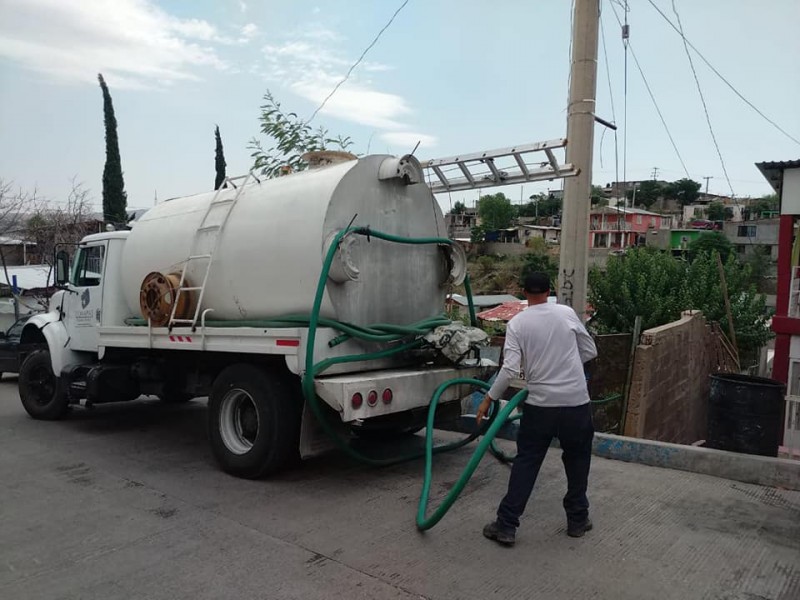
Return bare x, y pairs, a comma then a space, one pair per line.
247, 33
310, 63
408, 139
242, 6
133, 42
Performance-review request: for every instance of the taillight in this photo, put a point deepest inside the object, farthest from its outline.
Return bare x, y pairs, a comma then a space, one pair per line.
372, 398
356, 401
387, 396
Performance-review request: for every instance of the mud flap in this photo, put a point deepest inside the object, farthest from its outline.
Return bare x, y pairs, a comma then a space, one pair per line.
313, 439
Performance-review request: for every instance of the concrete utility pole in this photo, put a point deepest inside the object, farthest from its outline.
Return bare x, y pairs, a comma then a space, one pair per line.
707, 177
655, 173
580, 140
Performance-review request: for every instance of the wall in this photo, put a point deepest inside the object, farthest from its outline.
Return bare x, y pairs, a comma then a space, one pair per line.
670, 383
508, 249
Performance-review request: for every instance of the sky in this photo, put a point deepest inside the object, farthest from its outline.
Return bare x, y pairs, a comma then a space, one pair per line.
454, 75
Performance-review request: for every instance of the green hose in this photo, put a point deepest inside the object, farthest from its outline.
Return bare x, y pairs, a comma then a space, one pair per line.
313, 370
423, 522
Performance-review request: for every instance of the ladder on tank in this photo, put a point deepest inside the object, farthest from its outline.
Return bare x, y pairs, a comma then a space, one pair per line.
205, 243
493, 168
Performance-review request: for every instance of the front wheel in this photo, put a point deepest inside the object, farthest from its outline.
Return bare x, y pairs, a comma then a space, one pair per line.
254, 421
39, 389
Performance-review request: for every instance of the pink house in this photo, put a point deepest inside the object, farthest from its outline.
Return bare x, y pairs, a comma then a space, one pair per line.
615, 228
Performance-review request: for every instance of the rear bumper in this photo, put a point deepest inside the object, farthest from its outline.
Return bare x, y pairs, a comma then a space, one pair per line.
411, 388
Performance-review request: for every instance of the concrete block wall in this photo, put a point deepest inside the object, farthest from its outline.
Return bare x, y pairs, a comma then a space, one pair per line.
668, 398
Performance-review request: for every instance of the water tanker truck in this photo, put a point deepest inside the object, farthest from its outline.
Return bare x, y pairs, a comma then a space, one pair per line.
291, 303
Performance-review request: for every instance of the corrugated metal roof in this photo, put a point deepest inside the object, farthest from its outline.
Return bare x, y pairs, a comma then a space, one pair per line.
29, 277
504, 312
773, 171
483, 301
507, 311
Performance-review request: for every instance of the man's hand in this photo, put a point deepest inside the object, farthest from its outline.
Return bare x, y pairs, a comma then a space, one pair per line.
483, 409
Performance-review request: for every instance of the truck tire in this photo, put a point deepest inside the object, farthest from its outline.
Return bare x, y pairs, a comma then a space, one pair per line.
39, 389
254, 421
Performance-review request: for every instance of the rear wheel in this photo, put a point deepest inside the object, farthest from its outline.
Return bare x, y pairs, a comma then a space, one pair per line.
39, 389
254, 421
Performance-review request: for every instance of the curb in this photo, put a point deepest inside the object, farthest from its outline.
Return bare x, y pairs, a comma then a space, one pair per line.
748, 468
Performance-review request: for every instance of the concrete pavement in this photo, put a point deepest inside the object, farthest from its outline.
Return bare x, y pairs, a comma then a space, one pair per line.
126, 502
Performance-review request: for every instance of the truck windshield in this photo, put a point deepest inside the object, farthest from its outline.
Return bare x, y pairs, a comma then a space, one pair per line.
88, 267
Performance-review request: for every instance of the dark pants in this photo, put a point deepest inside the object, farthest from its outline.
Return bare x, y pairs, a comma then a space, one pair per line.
572, 425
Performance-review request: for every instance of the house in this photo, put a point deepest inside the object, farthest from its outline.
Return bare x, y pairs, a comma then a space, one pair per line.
33, 285
459, 225
529, 232
676, 240
784, 177
17, 251
699, 210
616, 228
746, 236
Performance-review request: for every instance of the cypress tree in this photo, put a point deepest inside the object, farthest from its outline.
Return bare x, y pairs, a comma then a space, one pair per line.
219, 160
115, 200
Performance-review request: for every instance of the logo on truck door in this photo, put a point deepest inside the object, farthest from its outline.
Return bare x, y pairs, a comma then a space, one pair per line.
85, 298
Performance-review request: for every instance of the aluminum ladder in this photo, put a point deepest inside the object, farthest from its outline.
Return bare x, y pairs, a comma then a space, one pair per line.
205, 242
493, 168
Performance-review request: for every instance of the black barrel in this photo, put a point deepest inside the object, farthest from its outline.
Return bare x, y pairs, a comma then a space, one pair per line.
745, 414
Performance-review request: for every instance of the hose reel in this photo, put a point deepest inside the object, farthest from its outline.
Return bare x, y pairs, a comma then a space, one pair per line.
157, 296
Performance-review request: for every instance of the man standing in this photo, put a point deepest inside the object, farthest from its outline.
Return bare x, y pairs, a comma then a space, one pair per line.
550, 342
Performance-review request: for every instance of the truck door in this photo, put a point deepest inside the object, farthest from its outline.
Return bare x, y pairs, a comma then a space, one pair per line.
84, 304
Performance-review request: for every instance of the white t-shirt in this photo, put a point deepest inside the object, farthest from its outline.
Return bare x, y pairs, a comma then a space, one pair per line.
552, 344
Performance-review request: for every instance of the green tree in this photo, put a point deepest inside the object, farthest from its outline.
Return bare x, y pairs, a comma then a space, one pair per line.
115, 200
539, 262
748, 307
597, 195
477, 234
495, 211
647, 193
643, 282
219, 160
764, 204
716, 211
685, 191
710, 242
292, 138
543, 205
658, 287
459, 208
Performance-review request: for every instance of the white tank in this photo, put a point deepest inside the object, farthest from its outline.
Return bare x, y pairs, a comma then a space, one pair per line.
270, 252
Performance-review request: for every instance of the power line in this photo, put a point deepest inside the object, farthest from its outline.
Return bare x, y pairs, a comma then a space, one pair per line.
653, 98
702, 99
625, 44
611, 95
725, 81
355, 64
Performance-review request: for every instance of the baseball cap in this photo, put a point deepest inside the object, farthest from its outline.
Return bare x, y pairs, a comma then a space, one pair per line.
537, 283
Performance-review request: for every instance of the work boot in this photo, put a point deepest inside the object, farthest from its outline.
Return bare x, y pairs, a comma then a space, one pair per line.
577, 529
504, 537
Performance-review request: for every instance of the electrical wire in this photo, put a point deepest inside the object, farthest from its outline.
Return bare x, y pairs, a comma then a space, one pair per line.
355, 64
703, 100
724, 80
613, 111
653, 98
626, 45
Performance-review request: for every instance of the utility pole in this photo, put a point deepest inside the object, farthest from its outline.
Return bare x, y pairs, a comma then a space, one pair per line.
580, 135
707, 178
655, 173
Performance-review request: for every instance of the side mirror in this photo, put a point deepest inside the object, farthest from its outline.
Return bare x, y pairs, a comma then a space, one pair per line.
62, 267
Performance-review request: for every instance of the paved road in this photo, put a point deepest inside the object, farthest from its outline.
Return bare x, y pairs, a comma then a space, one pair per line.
126, 502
